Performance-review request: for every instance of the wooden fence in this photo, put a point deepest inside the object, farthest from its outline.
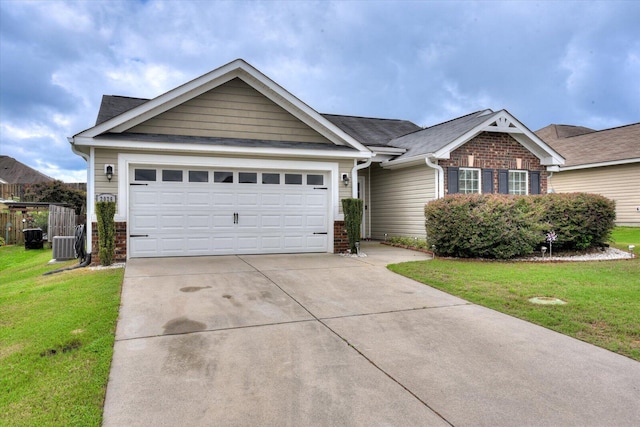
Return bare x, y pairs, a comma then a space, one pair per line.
62, 222
11, 227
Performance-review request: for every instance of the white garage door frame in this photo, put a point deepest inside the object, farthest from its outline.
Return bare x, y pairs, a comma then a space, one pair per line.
127, 160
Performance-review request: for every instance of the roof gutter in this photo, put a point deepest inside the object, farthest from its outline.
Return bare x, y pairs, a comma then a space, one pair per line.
439, 175
354, 176
90, 189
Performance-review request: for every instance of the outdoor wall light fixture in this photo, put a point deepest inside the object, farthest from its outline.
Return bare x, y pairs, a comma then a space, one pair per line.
345, 179
108, 170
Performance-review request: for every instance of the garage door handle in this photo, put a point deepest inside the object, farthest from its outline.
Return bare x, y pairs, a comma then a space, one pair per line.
136, 183
317, 232
139, 235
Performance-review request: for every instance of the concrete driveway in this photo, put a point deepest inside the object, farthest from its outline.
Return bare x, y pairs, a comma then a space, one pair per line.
324, 340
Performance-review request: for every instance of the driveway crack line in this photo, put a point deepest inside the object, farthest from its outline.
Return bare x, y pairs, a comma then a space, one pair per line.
319, 320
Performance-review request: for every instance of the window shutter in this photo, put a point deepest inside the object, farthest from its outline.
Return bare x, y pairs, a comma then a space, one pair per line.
487, 181
452, 180
534, 182
503, 181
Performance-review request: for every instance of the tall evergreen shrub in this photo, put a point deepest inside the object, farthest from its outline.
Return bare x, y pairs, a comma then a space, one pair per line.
352, 209
105, 212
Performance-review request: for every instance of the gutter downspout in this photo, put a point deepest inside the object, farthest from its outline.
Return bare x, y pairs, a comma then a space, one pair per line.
90, 175
549, 187
440, 177
354, 176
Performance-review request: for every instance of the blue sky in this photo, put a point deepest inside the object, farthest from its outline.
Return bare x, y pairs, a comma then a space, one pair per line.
546, 62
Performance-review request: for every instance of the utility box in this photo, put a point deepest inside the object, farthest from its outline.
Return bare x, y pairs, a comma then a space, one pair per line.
64, 247
33, 238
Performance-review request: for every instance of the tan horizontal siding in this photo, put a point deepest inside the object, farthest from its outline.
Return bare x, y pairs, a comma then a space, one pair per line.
397, 200
620, 183
345, 166
102, 184
232, 110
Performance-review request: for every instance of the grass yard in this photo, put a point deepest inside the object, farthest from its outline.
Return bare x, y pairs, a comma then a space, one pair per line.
603, 297
56, 339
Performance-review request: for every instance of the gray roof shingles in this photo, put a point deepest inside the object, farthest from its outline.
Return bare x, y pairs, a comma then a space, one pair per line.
14, 172
433, 138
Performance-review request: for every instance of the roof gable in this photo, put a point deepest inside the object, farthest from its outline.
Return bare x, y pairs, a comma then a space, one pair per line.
238, 69
609, 146
440, 140
231, 110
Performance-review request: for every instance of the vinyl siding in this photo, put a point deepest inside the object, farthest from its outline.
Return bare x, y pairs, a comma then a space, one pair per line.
232, 110
102, 184
345, 166
619, 183
397, 199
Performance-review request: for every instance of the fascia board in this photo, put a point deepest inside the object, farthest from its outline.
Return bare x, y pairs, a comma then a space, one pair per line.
309, 116
601, 164
167, 100
403, 163
162, 147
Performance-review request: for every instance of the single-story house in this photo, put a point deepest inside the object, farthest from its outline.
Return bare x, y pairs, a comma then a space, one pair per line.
232, 163
15, 172
605, 162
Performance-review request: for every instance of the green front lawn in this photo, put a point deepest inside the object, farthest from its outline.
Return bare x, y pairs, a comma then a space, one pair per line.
603, 297
56, 339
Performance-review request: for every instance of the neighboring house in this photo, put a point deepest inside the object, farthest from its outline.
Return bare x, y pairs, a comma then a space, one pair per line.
14, 172
605, 162
232, 163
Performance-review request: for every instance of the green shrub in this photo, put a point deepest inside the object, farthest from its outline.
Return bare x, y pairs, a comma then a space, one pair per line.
105, 211
502, 227
580, 220
483, 226
2, 242
352, 209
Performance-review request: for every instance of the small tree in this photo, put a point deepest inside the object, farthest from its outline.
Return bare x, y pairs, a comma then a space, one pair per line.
105, 212
352, 209
55, 192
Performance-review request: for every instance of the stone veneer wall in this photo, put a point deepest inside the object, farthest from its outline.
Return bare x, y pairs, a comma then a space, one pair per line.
120, 254
494, 150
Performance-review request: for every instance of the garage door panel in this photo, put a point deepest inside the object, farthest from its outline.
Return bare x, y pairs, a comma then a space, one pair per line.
224, 199
271, 200
316, 221
293, 221
173, 198
293, 200
198, 222
182, 218
270, 221
199, 199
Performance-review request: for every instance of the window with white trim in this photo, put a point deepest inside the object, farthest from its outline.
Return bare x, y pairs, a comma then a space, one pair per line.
518, 182
469, 181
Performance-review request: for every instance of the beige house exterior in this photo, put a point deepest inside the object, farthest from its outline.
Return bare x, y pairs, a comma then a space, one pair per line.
232, 163
605, 162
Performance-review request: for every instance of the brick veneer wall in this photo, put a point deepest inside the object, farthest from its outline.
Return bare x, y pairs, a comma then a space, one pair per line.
340, 239
120, 254
494, 150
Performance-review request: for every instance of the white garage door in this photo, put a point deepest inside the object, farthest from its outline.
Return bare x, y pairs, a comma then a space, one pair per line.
185, 212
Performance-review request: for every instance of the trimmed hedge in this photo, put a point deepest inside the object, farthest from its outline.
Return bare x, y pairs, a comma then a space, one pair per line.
352, 209
105, 211
502, 227
580, 220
